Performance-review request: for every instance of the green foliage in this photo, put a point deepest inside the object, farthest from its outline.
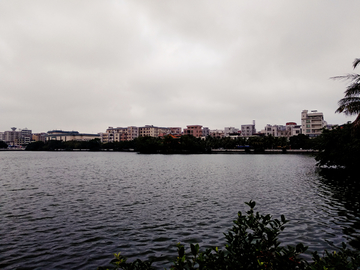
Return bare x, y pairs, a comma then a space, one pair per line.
35, 146
53, 145
120, 262
350, 104
169, 145
252, 244
301, 141
3, 144
339, 147
343, 259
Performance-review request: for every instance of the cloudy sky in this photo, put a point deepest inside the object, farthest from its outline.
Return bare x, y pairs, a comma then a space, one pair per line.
86, 65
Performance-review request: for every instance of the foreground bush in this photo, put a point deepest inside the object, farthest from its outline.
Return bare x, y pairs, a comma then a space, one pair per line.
252, 243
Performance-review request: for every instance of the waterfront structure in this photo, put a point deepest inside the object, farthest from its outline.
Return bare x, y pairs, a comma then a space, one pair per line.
312, 123
60, 135
194, 130
248, 130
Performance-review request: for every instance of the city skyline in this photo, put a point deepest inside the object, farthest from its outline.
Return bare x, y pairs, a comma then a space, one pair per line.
88, 65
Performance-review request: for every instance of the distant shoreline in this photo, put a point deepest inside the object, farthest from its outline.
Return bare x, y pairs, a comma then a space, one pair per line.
213, 151
266, 151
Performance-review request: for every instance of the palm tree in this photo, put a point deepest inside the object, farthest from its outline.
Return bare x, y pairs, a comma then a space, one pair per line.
350, 104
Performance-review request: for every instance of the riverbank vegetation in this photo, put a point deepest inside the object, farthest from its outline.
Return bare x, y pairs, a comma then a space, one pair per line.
3, 145
182, 144
252, 243
340, 147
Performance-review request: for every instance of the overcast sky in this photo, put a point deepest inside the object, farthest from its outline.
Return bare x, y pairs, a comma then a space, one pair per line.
86, 65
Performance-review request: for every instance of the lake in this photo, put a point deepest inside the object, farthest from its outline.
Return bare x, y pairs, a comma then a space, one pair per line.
73, 210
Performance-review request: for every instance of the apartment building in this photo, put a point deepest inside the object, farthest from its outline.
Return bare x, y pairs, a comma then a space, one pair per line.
194, 130
290, 129
312, 123
205, 132
175, 130
231, 131
149, 130
17, 137
217, 133
119, 134
133, 132
248, 130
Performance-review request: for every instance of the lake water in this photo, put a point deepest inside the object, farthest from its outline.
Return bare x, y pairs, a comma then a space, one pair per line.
73, 210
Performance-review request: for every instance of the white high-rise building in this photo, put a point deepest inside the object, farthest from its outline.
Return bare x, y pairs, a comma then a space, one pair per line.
312, 123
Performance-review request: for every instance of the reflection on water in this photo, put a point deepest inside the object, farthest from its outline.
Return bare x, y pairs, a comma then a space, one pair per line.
73, 210
344, 188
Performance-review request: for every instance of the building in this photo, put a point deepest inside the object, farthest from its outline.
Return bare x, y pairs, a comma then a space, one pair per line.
175, 130
205, 132
217, 133
231, 131
248, 130
133, 132
148, 130
290, 129
59, 135
39, 137
194, 130
17, 137
119, 134
293, 128
312, 123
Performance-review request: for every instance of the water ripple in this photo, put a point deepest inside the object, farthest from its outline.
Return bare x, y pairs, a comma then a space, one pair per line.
69, 210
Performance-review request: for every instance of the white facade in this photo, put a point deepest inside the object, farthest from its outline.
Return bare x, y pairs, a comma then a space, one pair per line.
312, 123
291, 129
248, 130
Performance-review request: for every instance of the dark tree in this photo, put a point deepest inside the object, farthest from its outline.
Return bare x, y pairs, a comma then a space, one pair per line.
3, 144
35, 146
350, 104
338, 148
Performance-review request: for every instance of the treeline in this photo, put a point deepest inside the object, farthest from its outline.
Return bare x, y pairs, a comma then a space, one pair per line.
3, 145
339, 147
183, 144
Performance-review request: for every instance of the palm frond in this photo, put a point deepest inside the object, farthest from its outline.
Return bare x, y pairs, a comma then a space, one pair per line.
349, 105
352, 90
356, 62
348, 77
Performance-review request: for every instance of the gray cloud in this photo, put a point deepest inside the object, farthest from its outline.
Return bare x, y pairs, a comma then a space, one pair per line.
87, 65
